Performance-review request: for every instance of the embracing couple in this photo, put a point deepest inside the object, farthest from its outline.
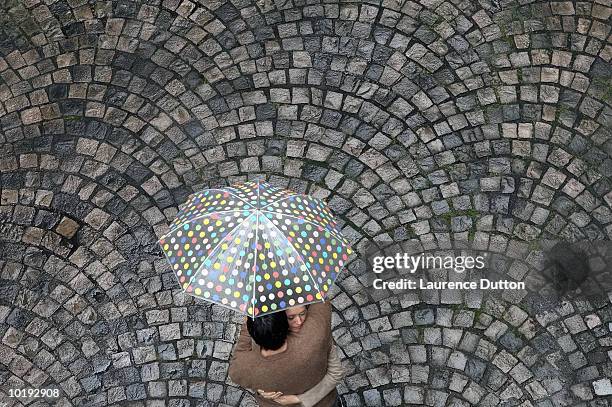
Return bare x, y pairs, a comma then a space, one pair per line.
289, 358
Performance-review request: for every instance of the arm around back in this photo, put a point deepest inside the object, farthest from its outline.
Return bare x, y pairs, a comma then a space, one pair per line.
242, 361
333, 376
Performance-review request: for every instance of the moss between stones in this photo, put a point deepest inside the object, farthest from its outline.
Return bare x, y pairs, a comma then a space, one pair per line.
477, 313
471, 213
72, 118
457, 307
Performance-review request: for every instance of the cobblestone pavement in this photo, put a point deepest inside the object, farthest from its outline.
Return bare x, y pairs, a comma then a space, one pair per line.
436, 121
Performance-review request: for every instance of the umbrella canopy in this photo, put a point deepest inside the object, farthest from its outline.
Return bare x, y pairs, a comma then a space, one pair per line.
255, 248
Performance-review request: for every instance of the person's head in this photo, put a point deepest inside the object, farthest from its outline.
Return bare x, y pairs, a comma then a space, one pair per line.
269, 331
296, 317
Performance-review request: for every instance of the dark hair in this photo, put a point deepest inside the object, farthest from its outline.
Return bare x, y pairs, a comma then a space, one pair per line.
269, 331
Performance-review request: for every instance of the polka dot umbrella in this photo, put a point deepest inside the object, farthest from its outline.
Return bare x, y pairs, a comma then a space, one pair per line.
255, 248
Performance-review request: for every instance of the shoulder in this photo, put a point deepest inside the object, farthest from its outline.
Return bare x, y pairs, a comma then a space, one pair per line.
320, 311
322, 308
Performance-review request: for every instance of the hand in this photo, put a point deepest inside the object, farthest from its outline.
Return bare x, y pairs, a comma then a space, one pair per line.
269, 395
277, 396
287, 400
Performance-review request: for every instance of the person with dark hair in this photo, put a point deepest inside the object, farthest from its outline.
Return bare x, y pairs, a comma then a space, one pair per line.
269, 331
288, 358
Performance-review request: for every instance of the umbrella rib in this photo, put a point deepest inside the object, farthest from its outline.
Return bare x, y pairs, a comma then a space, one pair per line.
298, 254
215, 248
255, 258
255, 266
341, 239
201, 217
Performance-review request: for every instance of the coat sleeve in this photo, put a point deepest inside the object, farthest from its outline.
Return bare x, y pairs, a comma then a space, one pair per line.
241, 360
335, 373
